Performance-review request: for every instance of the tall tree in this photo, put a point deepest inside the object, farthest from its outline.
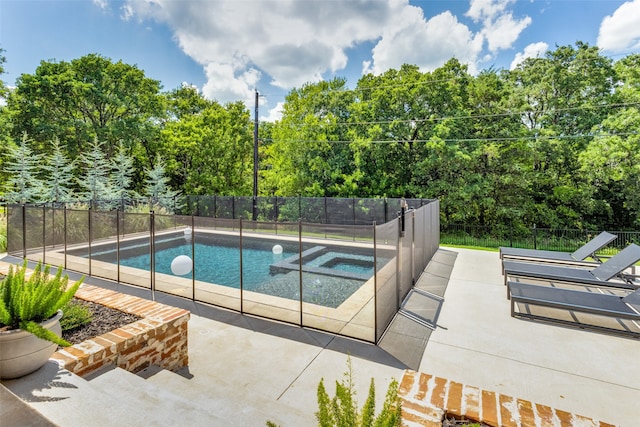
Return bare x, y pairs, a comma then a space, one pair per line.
94, 181
24, 185
59, 179
611, 162
309, 153
89, 97
157, 188
560, 97
121, 172
5, 138
210, 152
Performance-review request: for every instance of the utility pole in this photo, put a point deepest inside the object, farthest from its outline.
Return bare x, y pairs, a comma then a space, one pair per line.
255, 161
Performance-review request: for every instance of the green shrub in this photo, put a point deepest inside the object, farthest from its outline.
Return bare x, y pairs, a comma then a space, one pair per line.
342, 410
25, 303
3, 233
3, 239
74, 315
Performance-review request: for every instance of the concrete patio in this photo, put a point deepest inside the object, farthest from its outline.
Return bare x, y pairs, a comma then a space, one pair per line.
244, 370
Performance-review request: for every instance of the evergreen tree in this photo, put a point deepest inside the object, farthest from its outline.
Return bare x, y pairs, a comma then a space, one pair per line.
23, 185
59, 175
157, 188
95, 179
121, 177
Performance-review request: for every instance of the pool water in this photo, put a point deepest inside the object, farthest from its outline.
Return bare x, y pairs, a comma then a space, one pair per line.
217, 260
215, 264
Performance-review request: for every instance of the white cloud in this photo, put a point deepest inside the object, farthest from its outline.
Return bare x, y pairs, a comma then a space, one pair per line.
481, 10
275, 113
102, 4
292, 42
226, 82
499, 27
504, 31
621, 31
426, 43
534, 50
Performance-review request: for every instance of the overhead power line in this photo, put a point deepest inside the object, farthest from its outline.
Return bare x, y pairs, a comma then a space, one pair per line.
478, 116
496, 139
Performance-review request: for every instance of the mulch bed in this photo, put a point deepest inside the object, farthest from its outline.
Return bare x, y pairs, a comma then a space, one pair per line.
104, 319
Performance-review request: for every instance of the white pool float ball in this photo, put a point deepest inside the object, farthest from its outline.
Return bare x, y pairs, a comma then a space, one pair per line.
277, 249
181, 265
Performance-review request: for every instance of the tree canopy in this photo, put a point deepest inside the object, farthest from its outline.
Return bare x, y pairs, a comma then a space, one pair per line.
553, 142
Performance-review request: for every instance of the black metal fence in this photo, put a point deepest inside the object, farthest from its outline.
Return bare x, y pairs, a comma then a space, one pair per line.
316, 210
313, 273
566, 240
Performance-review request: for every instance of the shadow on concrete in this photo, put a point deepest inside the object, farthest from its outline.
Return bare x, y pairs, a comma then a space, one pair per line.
288, 331
409, 332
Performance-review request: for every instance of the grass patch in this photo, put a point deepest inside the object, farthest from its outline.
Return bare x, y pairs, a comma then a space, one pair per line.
74, 315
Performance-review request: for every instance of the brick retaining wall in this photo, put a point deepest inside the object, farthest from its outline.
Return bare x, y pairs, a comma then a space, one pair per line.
426, 399
159, 338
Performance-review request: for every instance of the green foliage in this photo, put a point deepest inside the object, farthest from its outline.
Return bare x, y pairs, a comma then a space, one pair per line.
552, 142
59, 175
84, 99
120, 178
161, 197
24, 303
342, 410
24, 185
210, 152
74, 315
3, 233
95, 179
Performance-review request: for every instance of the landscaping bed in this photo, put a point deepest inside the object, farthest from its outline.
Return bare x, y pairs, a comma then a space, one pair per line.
103, 319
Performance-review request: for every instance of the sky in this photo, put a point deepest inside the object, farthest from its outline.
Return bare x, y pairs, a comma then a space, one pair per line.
228, 49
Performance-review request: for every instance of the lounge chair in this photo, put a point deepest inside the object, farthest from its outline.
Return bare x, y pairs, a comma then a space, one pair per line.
577, 257
624, 310
599, 276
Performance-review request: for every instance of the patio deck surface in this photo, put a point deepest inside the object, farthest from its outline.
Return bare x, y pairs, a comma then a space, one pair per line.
249, 370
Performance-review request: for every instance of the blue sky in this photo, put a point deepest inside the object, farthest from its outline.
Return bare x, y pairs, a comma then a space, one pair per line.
229, 48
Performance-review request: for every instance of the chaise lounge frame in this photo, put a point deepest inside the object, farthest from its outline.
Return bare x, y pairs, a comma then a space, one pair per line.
612, 306
578, 257
599, 276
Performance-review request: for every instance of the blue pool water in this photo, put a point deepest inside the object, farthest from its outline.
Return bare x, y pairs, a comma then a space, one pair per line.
218, 261
215, 264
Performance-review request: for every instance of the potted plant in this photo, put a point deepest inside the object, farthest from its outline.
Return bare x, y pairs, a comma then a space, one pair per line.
30, 318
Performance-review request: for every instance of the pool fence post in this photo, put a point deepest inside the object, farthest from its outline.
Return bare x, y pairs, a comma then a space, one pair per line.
90, 234
353, 208
241, 284
275, 211
385, 210
64, 213
24, 231
325, 213
375, 287
152, 254
44, 232
398, 262
118, 244
300, 263
193, 259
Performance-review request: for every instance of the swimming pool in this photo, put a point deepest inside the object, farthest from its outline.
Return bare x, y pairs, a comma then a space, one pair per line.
330, 274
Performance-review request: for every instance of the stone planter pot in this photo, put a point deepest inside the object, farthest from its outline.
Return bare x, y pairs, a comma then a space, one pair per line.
22, 352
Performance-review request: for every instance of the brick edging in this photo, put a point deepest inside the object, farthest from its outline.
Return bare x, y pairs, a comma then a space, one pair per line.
159, 338
426, 399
